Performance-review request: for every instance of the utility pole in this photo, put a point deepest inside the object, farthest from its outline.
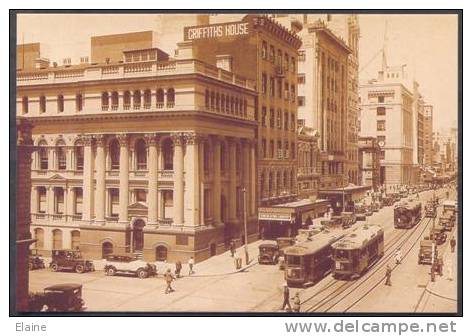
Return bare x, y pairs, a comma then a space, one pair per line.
246, 253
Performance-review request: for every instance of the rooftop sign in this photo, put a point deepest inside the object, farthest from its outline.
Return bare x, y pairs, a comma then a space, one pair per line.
230, 29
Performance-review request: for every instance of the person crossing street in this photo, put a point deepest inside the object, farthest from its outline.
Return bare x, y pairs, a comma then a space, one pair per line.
388, 275
286, 302
168, 278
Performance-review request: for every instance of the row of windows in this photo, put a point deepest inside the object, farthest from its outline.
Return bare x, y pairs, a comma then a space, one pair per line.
57, 242
282, 152
137, 98
276, 120
270, 86
268, 53
225, 103
277, 182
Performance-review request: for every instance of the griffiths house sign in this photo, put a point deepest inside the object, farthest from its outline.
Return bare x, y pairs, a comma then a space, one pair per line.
230, 29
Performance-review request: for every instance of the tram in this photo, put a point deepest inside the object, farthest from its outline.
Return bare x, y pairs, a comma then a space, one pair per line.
357, 252
407, 214
430, 210
309, 261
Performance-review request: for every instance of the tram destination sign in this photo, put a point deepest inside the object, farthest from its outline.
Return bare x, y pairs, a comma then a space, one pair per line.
214, 31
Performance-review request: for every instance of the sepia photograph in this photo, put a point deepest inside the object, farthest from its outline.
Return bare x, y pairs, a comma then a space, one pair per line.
236, 162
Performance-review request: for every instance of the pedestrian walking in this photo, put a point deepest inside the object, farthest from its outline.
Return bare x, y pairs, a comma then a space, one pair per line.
398, 256
296, 303
168, 278
449, 271
232, 248
178, 268
191, 262
453, 244
286, 298
388, 275
439, 266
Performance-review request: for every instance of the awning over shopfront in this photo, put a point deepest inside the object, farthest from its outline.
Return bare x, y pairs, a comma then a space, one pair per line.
349, 194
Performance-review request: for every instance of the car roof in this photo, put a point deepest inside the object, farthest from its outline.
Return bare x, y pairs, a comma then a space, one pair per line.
63, 287
268, 245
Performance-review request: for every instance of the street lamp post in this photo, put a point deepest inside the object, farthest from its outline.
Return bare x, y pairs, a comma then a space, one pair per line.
246, 253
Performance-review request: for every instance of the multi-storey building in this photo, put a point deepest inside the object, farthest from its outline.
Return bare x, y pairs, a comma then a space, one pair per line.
387, 113
266, 52
369, 162
308, 162
146, 154
428, 135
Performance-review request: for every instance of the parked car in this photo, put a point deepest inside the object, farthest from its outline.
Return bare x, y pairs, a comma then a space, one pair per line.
70, 260
129, 264
268, 253
438, 235
58, 298
425, 255
35, 261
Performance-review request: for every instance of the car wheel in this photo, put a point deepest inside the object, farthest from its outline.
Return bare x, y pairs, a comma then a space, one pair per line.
30, 266
142, 273
79, 268
111, 271
54, 267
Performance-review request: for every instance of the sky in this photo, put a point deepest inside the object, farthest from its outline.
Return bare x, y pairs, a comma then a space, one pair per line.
426, 43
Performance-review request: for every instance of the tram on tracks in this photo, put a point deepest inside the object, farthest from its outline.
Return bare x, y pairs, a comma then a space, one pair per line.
310, 261
355, 253
407, 214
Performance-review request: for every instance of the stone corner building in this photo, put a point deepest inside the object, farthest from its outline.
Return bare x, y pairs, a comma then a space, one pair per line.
24, 149
143, 154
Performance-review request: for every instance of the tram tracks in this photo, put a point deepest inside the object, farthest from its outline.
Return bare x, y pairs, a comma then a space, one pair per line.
330, 300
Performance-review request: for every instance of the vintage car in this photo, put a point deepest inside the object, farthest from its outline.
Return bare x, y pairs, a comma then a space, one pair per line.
450, 207
58, 298
128, 264
348, 219
396, 197
35, 261
268, 253
388, 200
447, 222
425, 255
359, 210
438, 235
70, 260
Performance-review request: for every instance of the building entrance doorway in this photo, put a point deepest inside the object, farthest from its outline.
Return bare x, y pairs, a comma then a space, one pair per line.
138, 235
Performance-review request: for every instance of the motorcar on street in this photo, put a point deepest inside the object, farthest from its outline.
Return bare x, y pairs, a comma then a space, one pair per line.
35, 261
58, 298
268, 253
128, 264
70, 260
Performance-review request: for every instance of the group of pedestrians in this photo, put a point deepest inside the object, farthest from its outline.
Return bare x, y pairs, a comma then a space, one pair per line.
169, 277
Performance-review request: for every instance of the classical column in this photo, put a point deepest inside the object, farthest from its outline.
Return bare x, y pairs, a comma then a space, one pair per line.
216, 180
252, 195
100, 166
192, 178
232, 180
152, 144
178, 179
87, 207
201, 155
51, 197
160, 204
124, 178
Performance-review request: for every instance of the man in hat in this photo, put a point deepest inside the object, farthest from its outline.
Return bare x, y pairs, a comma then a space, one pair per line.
286, 298
169, 277
388, 275
296, 303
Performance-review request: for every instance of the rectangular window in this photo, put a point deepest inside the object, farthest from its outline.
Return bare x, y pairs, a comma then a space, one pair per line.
292, 121
264, 50
381, 99
380, 111
272, 86
279, 119
263, 148
114, 202
301, 101
42, 104
301, 55
59, 204
286, 62
272, 54
78, 201
264, 116
264, 83
140, 195
286, 120
382, 155
79, 103
271, 149
380, 125
42, 200
25, 104
292, 93
301, 78
60, 103
293, 65
272, 118
286, 92
279, 88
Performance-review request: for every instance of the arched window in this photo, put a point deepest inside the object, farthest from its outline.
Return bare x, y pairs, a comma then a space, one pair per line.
107, 249
114, 101
75, 239
137, 99
39, 236
43, 155
115, 155
105, 101
147, 99
56, 239
170, 97
61, 155
159, 98
126, 100
168, 150
60, 103
161, 253
141, 155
